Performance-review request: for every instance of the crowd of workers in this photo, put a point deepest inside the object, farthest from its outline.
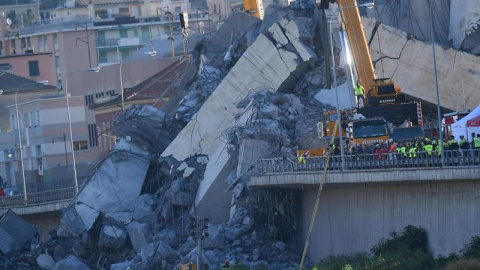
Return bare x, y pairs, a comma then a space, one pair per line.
408, 149
419, 147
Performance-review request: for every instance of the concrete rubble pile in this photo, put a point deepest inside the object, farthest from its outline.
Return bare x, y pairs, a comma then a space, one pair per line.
136, 210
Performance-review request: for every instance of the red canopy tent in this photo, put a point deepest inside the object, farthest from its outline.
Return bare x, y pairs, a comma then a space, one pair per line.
474, 122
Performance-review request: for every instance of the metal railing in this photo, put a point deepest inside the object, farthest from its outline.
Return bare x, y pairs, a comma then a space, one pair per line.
370, 162
40, 192
38, 198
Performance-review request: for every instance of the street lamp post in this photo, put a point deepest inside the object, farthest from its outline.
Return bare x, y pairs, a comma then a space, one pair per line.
169, 15
96, 69
20, 136
439, 117
150, 53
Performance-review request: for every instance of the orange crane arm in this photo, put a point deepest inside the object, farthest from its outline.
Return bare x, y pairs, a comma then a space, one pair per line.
352, 24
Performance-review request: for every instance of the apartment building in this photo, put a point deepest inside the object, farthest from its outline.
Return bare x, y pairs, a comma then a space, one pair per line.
62, 52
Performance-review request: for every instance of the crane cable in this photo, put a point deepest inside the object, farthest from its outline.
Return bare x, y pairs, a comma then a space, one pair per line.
317, 202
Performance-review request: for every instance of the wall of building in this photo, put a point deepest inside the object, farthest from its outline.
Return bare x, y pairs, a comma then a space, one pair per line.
20, 66
353, 219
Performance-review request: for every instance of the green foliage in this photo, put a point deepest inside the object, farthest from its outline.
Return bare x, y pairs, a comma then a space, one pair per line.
407, 250
472, 249
344, 262
441, 262
464, 264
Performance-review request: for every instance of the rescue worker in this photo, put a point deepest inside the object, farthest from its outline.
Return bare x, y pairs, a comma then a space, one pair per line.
464, 145
226, 265
428, 148
453, 146
476, 145
301, 158
359, 94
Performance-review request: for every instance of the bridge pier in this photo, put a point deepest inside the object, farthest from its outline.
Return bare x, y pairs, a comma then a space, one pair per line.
358, 208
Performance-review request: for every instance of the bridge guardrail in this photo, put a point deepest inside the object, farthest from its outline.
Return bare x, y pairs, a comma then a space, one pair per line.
38, 198
369, 161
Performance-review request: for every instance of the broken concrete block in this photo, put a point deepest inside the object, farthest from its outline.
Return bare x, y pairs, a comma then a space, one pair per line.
293, 34
45, 261
71, 223
160, 250
121, 266
188, 171
212, 201
202, 160
8, 245
178, 185
216, 237
250, 151
278, 35
237, 190
167, 236
139, 234
87, 214
116, 185
121, 217
181, 198
145, 207
71, 263
19, 229
112, 237
237, 24
182, 166
269, 111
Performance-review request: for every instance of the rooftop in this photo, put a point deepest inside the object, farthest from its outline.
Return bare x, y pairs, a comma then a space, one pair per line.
11, 83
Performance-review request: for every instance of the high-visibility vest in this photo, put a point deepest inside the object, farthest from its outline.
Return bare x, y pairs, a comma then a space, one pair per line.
438, 148
359, 90
428, 148
403, 149
453, 143
476, 142
412, 152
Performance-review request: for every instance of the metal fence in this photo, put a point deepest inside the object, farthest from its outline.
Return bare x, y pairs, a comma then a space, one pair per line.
38, 198
40, 192
369, 162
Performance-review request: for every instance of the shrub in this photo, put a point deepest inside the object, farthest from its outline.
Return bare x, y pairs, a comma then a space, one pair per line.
464, 264
472, 249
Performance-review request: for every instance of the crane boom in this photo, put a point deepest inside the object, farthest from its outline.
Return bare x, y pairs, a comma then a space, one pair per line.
352, 23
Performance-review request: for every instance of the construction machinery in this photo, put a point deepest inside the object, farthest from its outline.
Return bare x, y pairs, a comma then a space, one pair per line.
254, 8
382, 97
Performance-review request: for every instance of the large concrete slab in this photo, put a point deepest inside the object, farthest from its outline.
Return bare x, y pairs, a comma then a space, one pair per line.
262, 66
117, 183
409, 63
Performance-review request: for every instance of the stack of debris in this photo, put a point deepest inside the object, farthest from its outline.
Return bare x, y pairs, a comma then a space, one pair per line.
136, 210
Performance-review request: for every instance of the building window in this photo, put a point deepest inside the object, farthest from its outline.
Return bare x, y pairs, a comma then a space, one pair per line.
23, 43
89, 100
33, 68
55, 39
59, 84
92, 135
123, 33
99, 95
6, 67
38, 150
123, 10
57, 61
110, 93
80, 145
215, 9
